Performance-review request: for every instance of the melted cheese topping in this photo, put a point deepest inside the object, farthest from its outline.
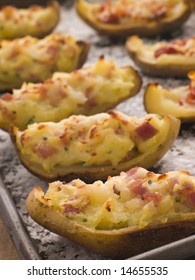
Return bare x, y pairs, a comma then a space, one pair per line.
136, 198
102, 139
33, 60
35, 21
122, 11
88, 90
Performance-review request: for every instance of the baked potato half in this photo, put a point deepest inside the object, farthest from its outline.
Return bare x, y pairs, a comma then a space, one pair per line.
87, 91
37, 21
128, 17
34, 60
96, 146
179, 102
163, 59
127, 215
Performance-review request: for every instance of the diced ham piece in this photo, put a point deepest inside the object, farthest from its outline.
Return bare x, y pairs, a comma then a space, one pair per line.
191, 198
132, 171
153, 197
165, 50
188, 186
191, 96
138, 189
7, 96
68, 208
109, 18
52, 50
44, 150
146, 131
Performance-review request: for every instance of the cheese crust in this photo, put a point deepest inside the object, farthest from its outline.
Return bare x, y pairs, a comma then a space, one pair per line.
88, 90
34, 60
36, 21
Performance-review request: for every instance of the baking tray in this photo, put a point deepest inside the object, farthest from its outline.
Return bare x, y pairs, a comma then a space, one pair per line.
33, 241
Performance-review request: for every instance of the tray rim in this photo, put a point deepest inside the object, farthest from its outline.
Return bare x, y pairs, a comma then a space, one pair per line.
15, 225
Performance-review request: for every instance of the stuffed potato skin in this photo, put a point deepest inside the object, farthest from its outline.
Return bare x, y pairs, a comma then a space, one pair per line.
163, 59
87, 91
68, 210
96, 146
119, 25
34, 60
179, 102
36, 21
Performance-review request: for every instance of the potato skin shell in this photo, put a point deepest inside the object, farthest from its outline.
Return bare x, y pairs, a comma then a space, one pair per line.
115, 244
149, 101
156, 70
145, 29
92, 173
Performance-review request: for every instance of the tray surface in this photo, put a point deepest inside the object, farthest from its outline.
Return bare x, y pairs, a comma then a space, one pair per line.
19, 181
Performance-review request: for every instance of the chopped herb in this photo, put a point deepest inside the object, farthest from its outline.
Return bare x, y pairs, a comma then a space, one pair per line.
13, 112
150, 182
45, 138
119, 125
1, 26
177, 199
66, 149
84, 220
109, 152
31, 120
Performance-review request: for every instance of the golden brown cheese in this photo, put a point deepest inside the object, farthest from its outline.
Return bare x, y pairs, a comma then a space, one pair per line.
143, 17
179, 102
108, 141
166, 59
32, 60
118, 218
36, 21
86, 91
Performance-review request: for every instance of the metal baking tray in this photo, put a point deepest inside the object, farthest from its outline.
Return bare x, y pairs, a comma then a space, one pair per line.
33, 241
